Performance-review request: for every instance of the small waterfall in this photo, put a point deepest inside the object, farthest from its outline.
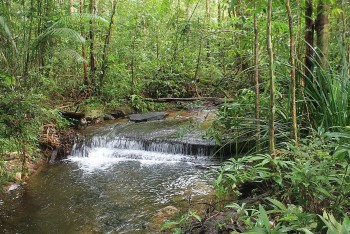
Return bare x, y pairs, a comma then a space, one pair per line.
103, 151
155, 145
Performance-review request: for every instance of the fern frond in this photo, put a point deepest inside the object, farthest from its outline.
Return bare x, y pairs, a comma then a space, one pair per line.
71, 54
8, 33
77, 19
58, 32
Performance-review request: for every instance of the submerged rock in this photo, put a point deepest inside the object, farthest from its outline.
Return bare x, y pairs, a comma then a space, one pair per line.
147, 116
13, 187
117, 114
167, 211
161, 216
108, 117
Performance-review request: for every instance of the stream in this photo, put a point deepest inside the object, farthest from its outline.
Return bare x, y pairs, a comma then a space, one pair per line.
115, 181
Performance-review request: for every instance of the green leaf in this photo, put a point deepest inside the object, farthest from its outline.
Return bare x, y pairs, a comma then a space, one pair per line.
278, 204
66, 33
278, 179
168, 224
325, 192
78, 18
256, 231
219, 179
305, 230
263, 217
7, 30
193, 214
232, 177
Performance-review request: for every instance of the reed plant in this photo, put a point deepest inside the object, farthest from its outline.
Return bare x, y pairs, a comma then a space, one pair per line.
327, 93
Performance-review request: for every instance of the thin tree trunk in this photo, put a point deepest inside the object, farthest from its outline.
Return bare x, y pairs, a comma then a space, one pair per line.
309, 38
157, 46
196, 74
177, 32
220, 44
40, 51
92, 45
272, 80
132, 63
256, 78
346, 56
85, 66
219, 13
45, 10
105, 47
23, 47
309, 43
349, 60
83, 50
292, 72
27, 44
298, 35
207, 17
322, 32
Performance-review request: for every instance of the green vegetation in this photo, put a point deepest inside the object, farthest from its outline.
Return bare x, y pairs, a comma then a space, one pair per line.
284, 63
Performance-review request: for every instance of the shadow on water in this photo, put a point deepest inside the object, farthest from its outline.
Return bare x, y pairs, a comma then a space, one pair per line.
110, 189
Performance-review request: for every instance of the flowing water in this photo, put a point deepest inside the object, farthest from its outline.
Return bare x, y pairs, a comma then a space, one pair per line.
114, 181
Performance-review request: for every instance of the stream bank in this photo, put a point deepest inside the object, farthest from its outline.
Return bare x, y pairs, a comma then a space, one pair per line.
122, 175
55, 144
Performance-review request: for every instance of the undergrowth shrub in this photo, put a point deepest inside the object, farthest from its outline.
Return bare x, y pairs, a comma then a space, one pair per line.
300, 189
309, 179
23, 111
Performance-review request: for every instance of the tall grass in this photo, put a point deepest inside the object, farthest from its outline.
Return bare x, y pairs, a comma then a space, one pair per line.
235, 126
328, 92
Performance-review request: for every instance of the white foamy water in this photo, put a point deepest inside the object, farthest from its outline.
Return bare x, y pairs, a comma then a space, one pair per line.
112, 183
154, 145
99, 159
102, 158
102, 152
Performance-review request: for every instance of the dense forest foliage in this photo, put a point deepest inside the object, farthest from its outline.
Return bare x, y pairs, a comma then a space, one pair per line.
285, 64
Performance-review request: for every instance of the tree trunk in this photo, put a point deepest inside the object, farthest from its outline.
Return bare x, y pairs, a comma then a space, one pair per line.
256, 78
176, 44
219, 13
322, 32
132, 62
298, 36
346, 56
349, 60
196, 74
292, 72
309, 38
105, 47
28, 41
83, 50
92, 44
41, 48
207, 17
272, 80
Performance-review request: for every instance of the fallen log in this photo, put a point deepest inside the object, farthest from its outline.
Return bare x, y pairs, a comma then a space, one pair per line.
215, 100
72, 115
